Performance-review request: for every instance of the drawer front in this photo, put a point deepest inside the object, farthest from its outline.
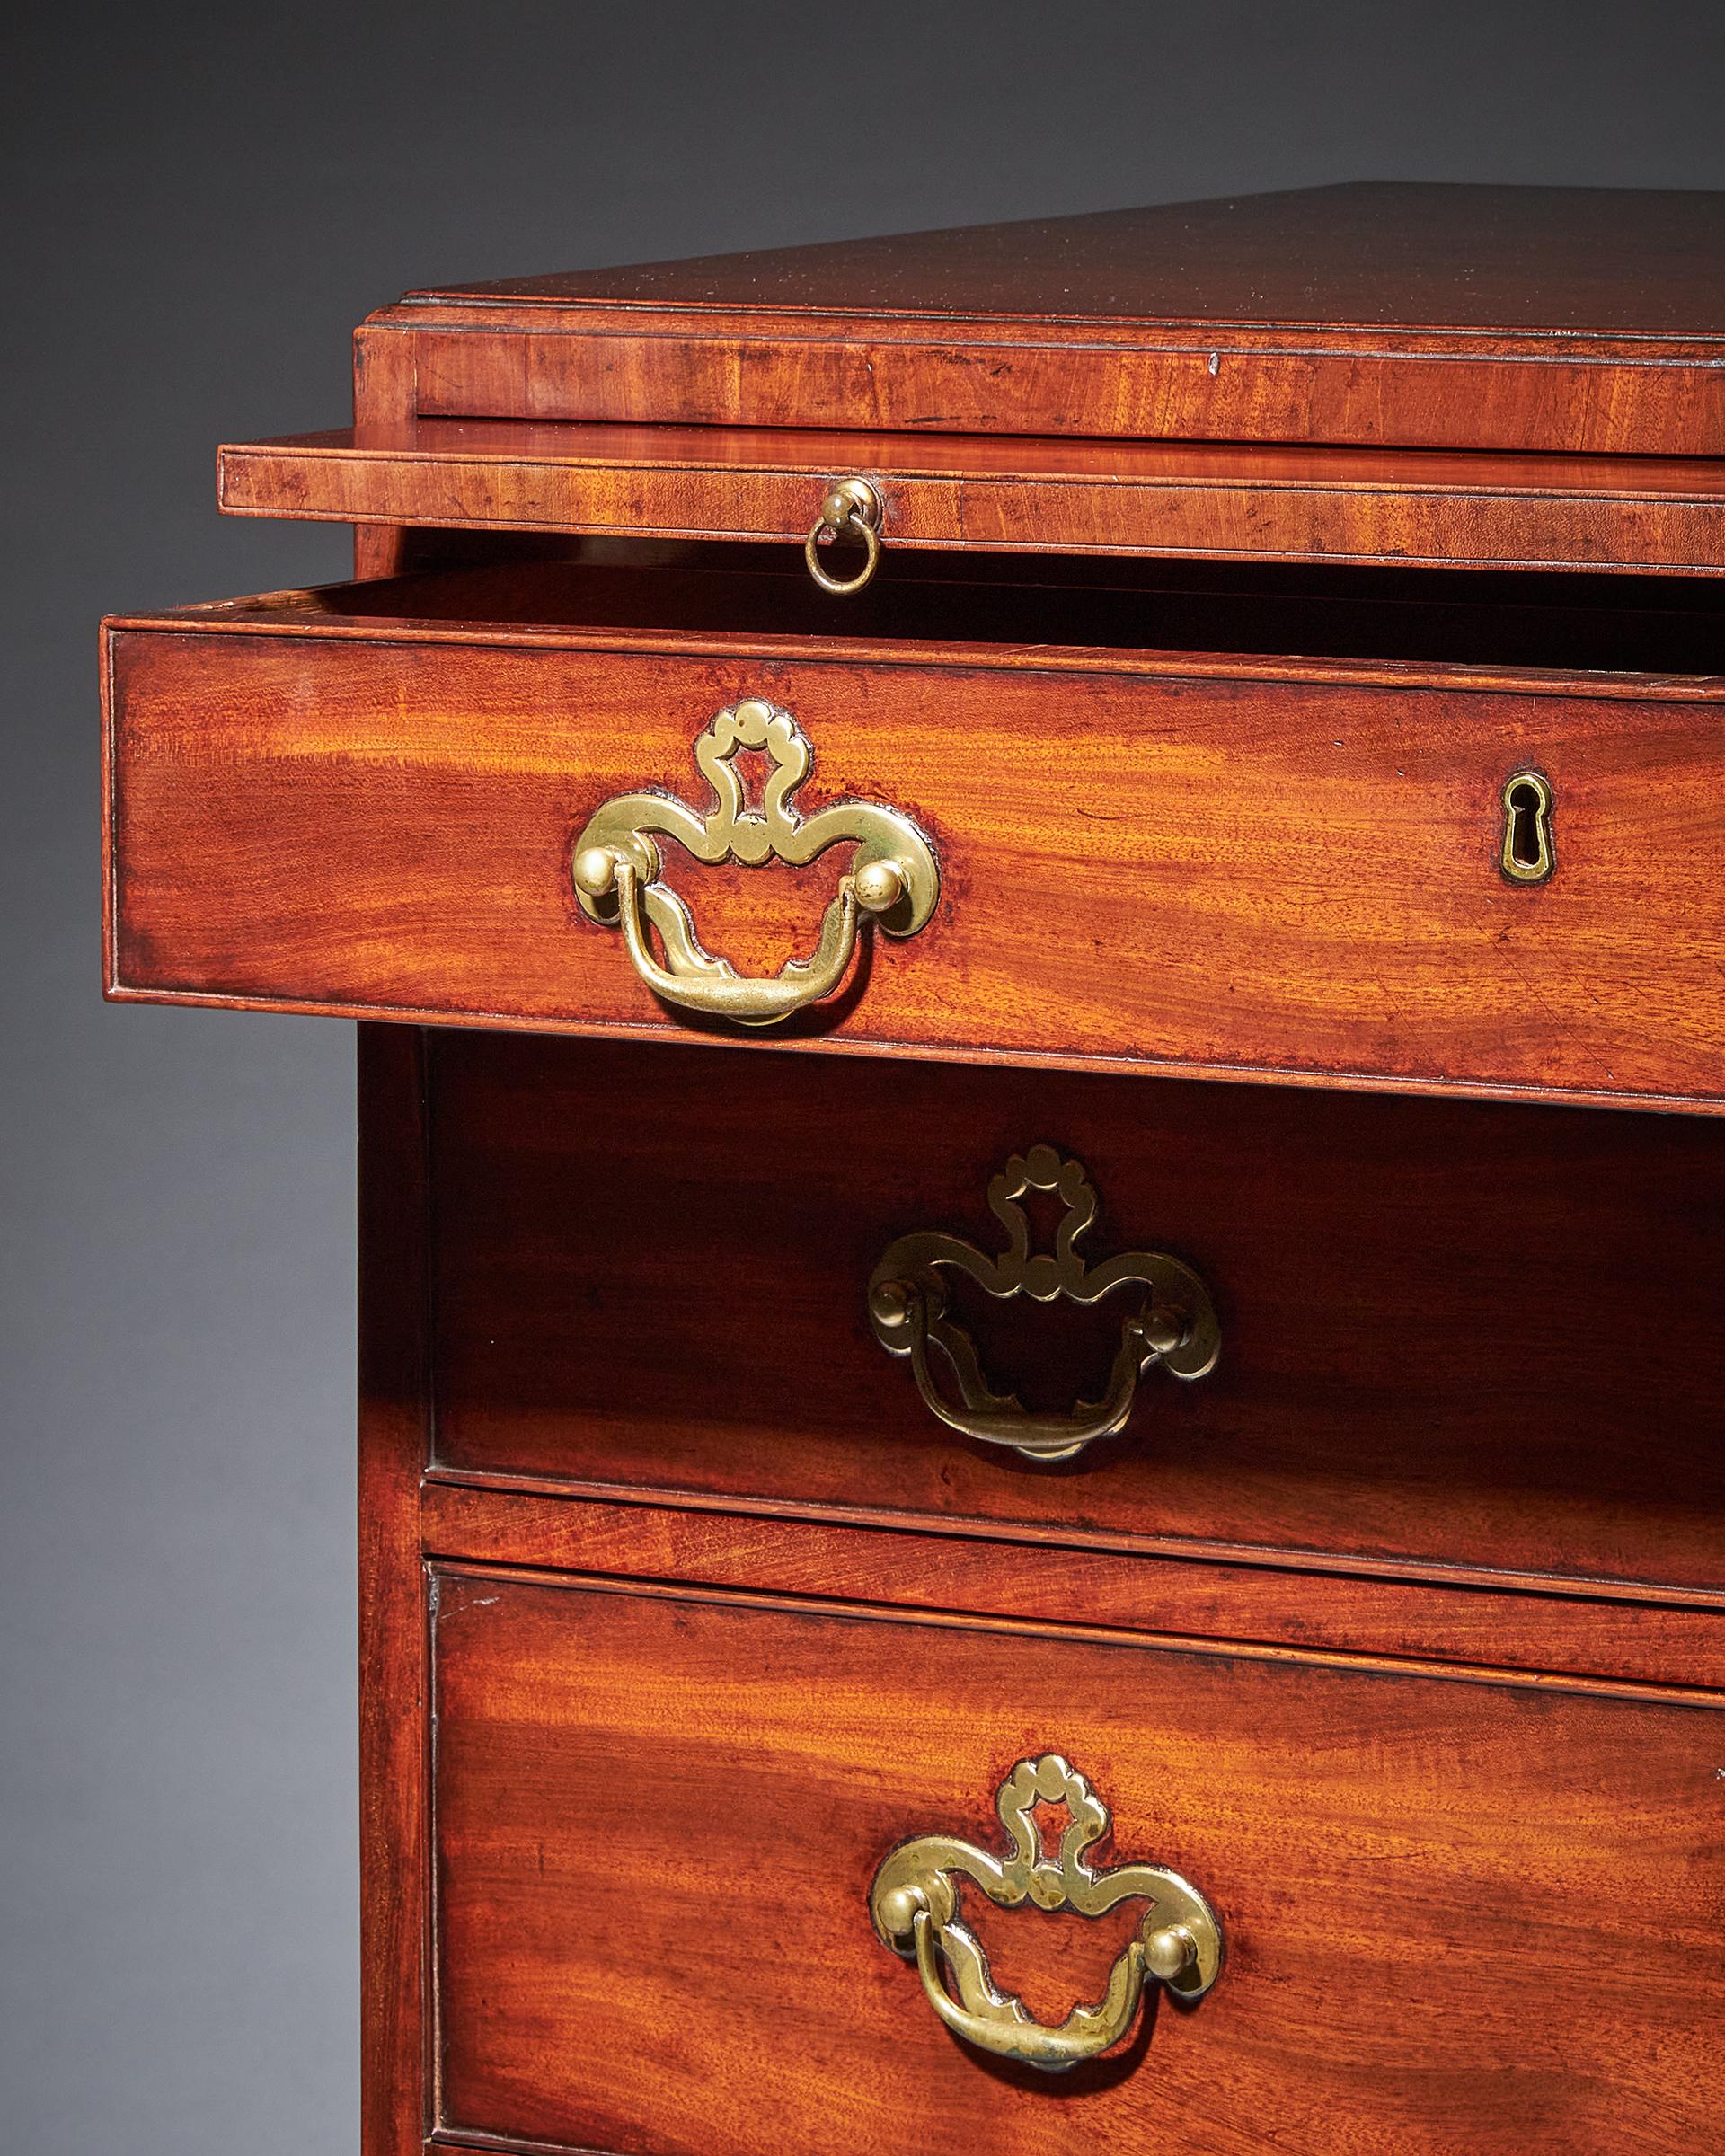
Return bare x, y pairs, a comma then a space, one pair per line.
1449, 1332
1455, 1913
1180, 498
1251, 866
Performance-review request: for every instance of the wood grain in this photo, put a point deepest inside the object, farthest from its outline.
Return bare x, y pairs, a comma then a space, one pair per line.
394, 1688
1547, 318
1045, 1580
384, 387
1552, 261
1459, 1914
1452, 1333
1403, 1634
1234, 865
985, 493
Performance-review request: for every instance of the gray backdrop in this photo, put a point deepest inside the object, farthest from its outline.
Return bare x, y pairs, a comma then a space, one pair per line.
201, 202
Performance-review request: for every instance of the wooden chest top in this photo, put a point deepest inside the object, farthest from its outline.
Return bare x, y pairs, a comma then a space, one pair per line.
1578, 319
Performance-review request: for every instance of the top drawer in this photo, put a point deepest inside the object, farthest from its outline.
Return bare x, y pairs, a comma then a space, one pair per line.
1397, 870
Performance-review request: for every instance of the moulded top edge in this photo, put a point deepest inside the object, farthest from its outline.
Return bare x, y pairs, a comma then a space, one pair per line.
1432, 260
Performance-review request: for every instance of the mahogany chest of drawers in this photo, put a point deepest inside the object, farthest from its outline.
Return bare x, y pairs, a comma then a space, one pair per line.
1039, 919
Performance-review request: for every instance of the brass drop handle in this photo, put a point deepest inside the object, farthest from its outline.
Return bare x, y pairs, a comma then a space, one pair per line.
1170, 1319
851, 510
914, 1905
617, 868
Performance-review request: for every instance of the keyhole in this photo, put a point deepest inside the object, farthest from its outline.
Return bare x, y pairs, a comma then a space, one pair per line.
1529, 854
1525, 812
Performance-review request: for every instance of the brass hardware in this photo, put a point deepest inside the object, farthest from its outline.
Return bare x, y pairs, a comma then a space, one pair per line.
1171, 1322
913, 1902
1529, 851
892, 878
851, 510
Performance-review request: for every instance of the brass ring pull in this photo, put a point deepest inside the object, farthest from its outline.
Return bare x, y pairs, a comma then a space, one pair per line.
914, 1905
851, 510
1172, 1321
616, 867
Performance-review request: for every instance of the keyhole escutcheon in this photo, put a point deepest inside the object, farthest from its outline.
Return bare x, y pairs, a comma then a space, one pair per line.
1529, 852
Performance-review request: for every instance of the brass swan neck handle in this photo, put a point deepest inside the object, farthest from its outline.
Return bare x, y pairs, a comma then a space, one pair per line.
695, 979
1086, 2032
617, 868
916, 1311
1169, 1318
914, 1905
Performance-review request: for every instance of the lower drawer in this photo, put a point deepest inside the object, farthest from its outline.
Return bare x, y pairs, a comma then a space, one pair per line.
1458, 1913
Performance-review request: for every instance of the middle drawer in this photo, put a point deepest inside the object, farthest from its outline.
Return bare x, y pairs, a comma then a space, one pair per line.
1450, 1333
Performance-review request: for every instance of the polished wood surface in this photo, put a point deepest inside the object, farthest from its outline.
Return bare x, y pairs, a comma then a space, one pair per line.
1237, 554
1453, 1335
1569, 320
1268, 867
1463, 1912
986, 492
394, 1676
1580, 261
1048, 1572
1398, 1801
